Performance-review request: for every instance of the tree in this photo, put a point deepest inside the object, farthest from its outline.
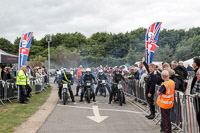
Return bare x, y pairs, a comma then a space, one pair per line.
5, 45
164, 54
37, 61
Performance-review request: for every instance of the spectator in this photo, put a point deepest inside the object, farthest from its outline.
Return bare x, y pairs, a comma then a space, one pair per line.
150, 88
141, 69
9, 74
189, 68
142, 81
180, 70
196, 65
136, 73
38, 81
166, 66
13, 70
196, 96
4, 74
190, 71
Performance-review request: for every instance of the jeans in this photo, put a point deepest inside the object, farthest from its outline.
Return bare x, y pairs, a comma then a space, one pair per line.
83, 89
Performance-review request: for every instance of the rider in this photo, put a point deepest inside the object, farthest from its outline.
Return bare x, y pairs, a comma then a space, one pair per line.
86, 77
117, 77
101, 76
67, 78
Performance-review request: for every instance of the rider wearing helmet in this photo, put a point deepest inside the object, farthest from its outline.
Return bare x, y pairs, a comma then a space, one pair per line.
67, 77
116, 78
101, 76
86, 77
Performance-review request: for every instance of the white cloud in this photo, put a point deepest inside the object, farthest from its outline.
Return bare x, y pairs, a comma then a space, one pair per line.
90, 16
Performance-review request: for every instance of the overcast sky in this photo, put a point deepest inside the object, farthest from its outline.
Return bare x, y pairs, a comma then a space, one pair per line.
90, 16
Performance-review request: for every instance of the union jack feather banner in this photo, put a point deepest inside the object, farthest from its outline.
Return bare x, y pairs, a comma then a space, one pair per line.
151, 40
24, 48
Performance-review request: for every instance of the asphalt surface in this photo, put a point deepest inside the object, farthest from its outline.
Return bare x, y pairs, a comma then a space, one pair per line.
73, 118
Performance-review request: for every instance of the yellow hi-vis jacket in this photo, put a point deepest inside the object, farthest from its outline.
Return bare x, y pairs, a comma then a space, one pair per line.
22, 78
72, 73
166, 101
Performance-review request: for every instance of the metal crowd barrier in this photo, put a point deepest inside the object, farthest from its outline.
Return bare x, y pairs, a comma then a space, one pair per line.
9, 90
184, 114
38, 85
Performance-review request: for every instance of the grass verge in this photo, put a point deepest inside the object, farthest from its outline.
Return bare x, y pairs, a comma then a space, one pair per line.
13, 115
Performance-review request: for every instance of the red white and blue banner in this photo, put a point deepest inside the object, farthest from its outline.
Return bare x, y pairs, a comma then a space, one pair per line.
151, 40
24, 48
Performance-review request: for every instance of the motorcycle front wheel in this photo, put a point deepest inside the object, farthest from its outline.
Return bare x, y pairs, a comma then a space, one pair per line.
88, 96
64, 98
121, 97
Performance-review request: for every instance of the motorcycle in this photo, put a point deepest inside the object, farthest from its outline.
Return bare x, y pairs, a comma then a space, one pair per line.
102, 87
65, 94
88, 92
118, 93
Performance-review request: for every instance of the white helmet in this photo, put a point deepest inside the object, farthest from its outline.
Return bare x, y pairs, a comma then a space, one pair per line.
100, 70
88, 70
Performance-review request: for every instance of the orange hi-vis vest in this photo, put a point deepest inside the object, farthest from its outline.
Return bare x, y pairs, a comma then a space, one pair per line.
166, 101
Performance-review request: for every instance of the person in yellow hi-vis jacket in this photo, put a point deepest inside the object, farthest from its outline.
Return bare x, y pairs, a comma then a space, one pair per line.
165, 101
22, 81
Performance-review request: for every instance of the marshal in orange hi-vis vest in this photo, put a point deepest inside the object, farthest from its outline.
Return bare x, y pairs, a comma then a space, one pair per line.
166, 101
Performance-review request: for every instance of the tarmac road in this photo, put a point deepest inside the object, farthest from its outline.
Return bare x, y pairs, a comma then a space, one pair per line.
77, 118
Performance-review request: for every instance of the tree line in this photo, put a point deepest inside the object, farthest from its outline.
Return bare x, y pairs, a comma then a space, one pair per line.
72, 49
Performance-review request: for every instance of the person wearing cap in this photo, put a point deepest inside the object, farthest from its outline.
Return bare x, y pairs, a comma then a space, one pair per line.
86, 77
101, 76
67, 78
165, 101
116, 79
22, 82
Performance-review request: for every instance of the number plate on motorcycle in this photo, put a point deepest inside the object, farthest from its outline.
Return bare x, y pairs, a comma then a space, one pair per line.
64, 85
119, 86
103, 81
64, 90
88, 84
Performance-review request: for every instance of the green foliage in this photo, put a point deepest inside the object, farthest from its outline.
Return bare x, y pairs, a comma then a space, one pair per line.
112, 49
5, 45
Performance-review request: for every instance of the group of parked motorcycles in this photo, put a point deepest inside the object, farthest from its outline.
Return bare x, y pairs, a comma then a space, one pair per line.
118, 93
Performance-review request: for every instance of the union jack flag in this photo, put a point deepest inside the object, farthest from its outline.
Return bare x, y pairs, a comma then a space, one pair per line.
151, 40
24, 48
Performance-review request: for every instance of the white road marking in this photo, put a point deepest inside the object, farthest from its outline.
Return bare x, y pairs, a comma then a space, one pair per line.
112, 110
97, 118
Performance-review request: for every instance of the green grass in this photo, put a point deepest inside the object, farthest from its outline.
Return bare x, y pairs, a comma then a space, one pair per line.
13, 115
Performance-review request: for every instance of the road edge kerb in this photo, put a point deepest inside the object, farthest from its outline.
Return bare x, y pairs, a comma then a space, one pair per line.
33, 124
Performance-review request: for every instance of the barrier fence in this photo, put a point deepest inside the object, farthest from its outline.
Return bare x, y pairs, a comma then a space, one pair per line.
9, 89
184, 114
